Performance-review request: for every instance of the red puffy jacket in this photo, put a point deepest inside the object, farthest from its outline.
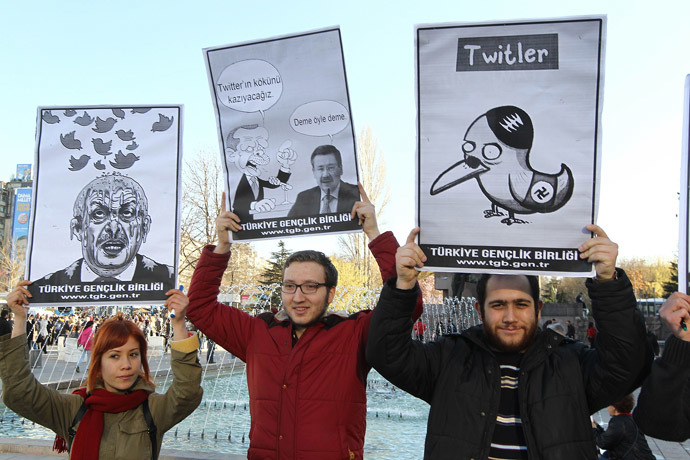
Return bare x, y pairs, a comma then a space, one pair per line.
309, 401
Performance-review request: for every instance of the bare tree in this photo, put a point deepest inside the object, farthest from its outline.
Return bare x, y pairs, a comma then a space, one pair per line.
11, 268
372, 166
201, 203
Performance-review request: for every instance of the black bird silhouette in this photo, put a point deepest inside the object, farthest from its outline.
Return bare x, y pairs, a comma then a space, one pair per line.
496, 153
49, 118
99, 165
69, 113
132, 146
140, 110
102, 148
119, 113
163, 123
103, 126
84, 120
70, 142
123, 161
78, 163
125, 135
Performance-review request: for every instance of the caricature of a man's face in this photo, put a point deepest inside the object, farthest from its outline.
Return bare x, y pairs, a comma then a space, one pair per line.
250, 152
114, 224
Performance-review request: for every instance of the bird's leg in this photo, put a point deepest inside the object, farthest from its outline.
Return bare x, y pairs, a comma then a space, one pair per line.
493, 212
511, 219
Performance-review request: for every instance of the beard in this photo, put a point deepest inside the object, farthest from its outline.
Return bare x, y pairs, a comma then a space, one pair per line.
499, 343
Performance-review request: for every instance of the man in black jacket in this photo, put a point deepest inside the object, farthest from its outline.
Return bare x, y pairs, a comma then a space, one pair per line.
506, 389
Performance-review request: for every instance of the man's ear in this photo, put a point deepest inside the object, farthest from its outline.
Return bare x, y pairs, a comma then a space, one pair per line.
145, 227
540, 305
75, 228
479, 309
331, 294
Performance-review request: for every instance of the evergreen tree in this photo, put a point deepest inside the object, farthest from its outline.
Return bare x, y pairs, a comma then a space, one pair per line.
273, 274
671, 286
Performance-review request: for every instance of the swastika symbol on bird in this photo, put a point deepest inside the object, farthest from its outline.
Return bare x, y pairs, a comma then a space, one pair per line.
542, 192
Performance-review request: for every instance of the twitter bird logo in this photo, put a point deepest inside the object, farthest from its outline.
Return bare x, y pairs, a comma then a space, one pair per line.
125, 135
103, 126
119, 113
70, 142
140, 110
132, 146
78, 163
69, 113
163, 123
99, 165
102, 148
50, 118
84, 120
123, 161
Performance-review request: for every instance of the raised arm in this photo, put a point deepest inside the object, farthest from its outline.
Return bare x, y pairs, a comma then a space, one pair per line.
621, 357
21, 392
663, 407
184, 395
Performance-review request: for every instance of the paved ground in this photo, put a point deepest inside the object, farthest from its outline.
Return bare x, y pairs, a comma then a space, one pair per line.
63, 374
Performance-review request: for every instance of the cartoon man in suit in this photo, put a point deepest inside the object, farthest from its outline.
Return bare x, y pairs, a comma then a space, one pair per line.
331, 194
246, 149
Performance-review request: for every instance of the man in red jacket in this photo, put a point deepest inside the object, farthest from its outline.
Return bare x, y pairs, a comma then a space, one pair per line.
306, 367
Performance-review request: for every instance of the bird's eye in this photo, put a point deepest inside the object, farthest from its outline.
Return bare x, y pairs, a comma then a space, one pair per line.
468, 147
491, 151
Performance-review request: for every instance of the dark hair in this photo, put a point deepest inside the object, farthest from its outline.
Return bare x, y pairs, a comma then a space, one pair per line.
484, 279
512, 126
625, 405
318, 257
112, 334
5, 313
327, 150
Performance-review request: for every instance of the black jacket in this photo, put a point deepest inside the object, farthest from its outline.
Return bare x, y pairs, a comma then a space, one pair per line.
561, 381
663, 407
623, 439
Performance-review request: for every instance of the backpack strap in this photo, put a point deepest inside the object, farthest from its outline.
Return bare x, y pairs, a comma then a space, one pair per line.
152, 428
72, 432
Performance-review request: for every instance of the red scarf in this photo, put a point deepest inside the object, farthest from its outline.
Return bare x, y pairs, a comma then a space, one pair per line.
87, 442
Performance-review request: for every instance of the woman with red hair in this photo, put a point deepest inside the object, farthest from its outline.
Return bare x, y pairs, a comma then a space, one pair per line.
118, 415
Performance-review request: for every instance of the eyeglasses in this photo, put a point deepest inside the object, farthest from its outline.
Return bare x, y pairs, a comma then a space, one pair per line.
307, 288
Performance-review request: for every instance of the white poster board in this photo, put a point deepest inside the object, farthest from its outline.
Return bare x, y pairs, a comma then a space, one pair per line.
509, 136
105, 219
684, 215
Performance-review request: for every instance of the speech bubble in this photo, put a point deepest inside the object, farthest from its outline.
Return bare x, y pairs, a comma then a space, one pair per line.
249, 86
320, 118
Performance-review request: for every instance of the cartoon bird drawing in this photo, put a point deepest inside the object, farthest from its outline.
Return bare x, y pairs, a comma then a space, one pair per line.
163, 123
496, 153
84, 120
141, 110
49, 118
125, 135
123, 161
102, 148
99, 165
75, 164
69, 113
103, 126
69, 141
132, 146
119, 113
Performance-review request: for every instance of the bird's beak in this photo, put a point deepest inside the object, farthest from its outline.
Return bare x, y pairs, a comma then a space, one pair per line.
456, 174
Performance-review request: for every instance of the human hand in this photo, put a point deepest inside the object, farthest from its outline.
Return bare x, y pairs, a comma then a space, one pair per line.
18, 301
366, 212
178, 302
675, 312
286, 156
600, 251
407, 259
226, 221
